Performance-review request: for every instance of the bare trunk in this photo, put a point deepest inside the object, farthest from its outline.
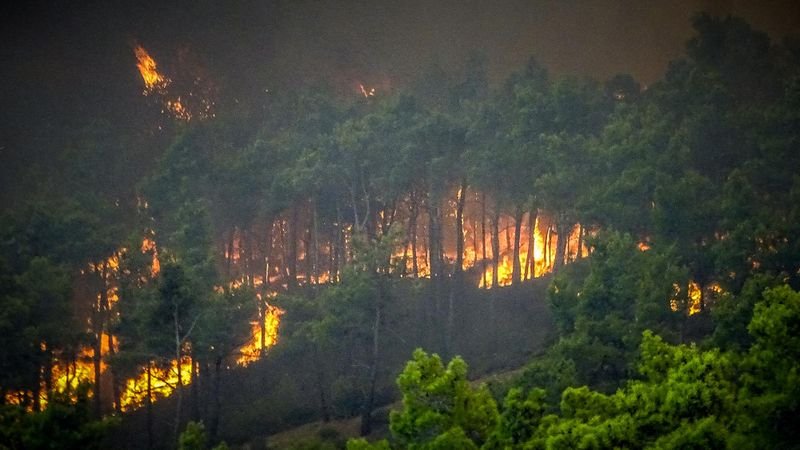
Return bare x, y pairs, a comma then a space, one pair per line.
291, 264
267, 256
516, 268
214, 425
114, 379
105, 306
496, 247
547, 246
338, 246
96, 360
230, 254
179, 384
315, 243
195, 406
434, 240
149, 405
366, 412
412, 229
562, 244
48, 373
244, 258
323, 398
462, 195
483, 238
530, 264
263, 308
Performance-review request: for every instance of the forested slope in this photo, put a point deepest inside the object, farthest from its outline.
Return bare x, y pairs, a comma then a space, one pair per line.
284, 257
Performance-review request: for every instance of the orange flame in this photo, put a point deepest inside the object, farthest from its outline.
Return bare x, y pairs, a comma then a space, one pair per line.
253, 350
149, 245
163, 382
183, 109
153, 80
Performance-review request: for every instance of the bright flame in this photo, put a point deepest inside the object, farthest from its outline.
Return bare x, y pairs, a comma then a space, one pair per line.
196, 102
542, 263
163, 382
695, 296
253, 350
153, 80
149, 245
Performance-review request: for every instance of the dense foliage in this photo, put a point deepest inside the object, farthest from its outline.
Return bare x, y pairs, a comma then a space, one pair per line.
682, 396
678, 330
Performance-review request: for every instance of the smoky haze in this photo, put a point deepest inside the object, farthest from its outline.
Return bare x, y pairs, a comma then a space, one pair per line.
68, 64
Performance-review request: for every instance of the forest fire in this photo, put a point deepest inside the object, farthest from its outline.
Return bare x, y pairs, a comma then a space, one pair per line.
388, 183
154, 81
259, 343
177, 106
154, 382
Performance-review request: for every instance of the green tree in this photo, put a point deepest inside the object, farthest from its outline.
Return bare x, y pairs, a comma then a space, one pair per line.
440, 408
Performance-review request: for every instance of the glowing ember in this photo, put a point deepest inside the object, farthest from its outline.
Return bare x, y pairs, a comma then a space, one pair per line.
178, 110
695, 296
366, 92
149, 245
196, 103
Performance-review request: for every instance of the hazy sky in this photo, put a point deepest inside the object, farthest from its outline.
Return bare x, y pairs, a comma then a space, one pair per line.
66, 61
49, 40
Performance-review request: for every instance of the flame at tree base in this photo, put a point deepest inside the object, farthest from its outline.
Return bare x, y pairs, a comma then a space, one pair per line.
163, 382
257, 346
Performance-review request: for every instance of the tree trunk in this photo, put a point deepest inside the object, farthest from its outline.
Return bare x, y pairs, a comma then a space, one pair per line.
244, 258
462, 195
179, 384
530, 264
48, 373
516, 268
434, 239
194, 408
483, 238
149, 405
291, 263
105, 306
562, 244
267, 256
213, 427
338, 249
366, 412
230, 254
263, 308
547, 247
96, 359
315, 243
323, 398
496, 247
114, 379
412, 229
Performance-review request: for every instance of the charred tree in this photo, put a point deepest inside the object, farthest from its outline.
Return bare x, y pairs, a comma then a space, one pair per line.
496, 247
516, 268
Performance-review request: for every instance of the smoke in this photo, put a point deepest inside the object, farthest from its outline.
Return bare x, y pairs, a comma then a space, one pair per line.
68, 62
